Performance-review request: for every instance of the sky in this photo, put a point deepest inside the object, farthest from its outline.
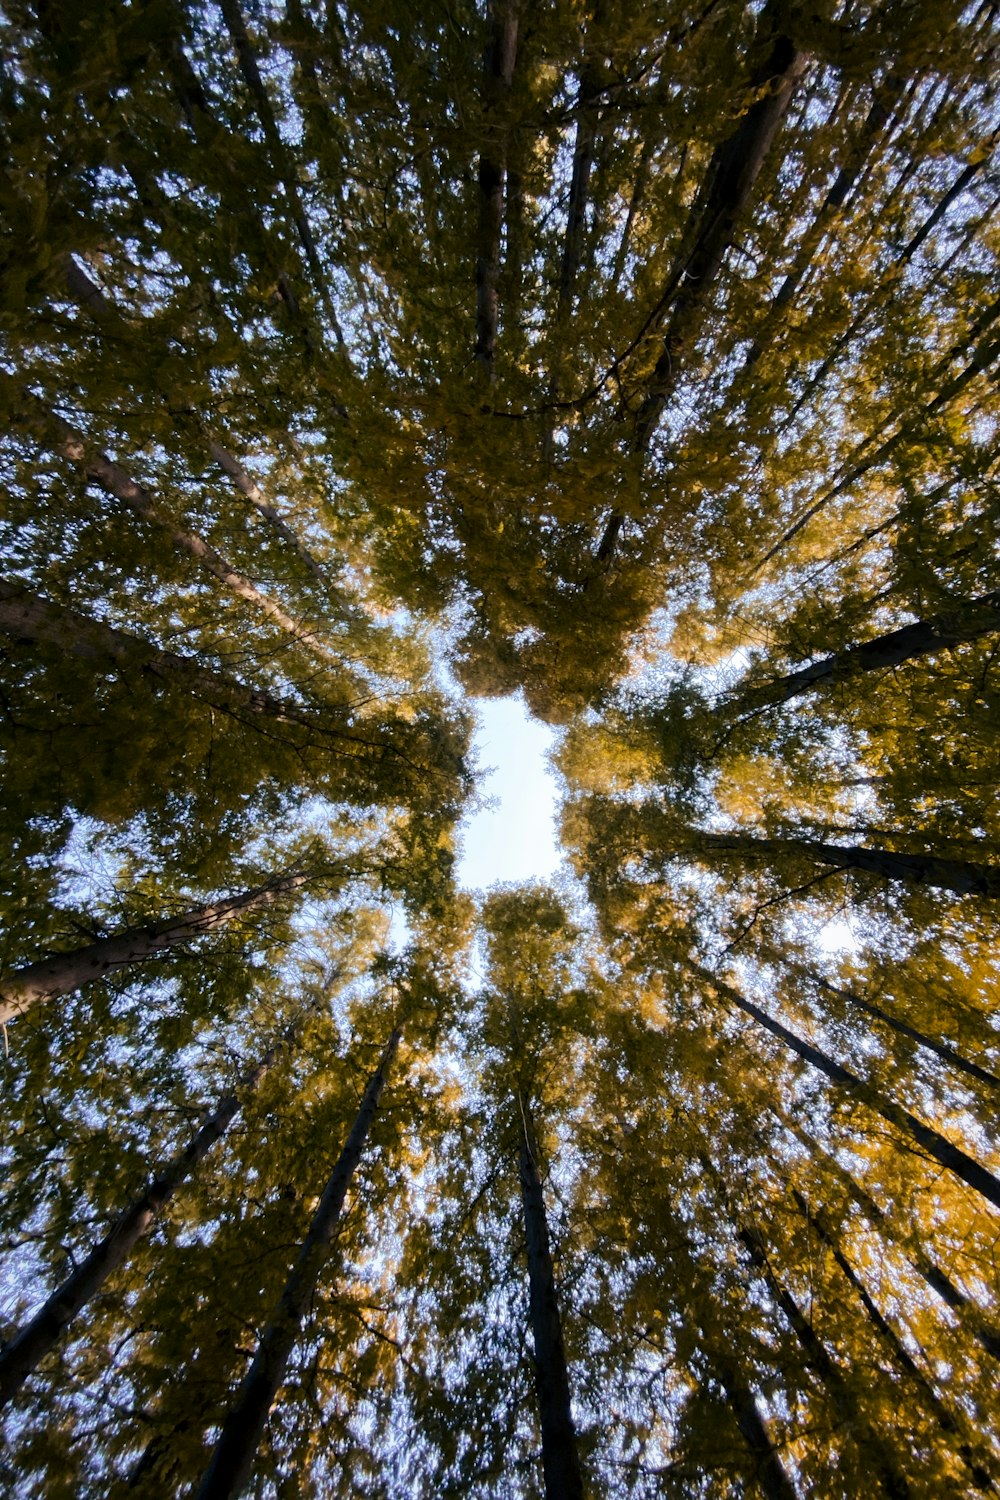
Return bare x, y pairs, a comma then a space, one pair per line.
516, 840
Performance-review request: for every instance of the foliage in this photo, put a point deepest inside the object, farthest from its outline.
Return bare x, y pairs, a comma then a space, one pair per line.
357, 362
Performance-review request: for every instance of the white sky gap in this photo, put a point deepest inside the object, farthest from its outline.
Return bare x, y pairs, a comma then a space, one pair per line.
516, 840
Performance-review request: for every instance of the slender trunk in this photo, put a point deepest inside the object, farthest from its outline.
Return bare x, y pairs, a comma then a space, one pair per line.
64, 972
897, 1350
251, 491
88, 295
560, 1460
115, 481
965, 620
635, 202
822, 1364
576, 218
953, 1158
500, 59
984, 354
942, 1050
279, 152
770, 1474
34, 1341
937, 1279
233, 1457
728, 186
963, 877
34, 619
887, 96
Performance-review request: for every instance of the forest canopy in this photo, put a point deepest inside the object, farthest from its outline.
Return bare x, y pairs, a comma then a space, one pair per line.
360, 363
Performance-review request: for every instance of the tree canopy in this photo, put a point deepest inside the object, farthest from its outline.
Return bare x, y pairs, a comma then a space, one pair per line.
360, 362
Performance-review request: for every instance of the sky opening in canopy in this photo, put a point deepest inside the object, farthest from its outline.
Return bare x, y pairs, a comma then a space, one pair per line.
513, 837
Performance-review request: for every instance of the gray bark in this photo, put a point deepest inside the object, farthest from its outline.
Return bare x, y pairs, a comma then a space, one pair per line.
64, 972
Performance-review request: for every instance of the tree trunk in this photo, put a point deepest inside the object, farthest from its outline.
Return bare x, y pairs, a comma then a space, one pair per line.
964, 620
560, 1460
279, 153
32, 618
962, 876
63, 972
887, 96
822, 1364
770, 1474
500, 59
725, 193
897, 1350
32, 1342
942, 1050
929, 1140
232, 1460
115, 481
937, 1279
88, 295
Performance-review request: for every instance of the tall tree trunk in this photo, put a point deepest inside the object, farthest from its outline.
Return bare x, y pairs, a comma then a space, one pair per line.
822, 1364
953, 1158
63, 972
560, 1460
897, 1350
114, 480
31, 1343
946, 1053
964, 620
937, 1279
280, 155
32, 618
501, 55
962, 876
725, 194
232, 1460
887, 96
89, 296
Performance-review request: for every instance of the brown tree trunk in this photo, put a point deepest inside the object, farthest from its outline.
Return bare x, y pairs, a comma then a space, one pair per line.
233, 1457
560, 1460
63, 972
31, 1343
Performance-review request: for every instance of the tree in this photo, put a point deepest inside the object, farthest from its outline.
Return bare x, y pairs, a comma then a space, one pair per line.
359, 362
